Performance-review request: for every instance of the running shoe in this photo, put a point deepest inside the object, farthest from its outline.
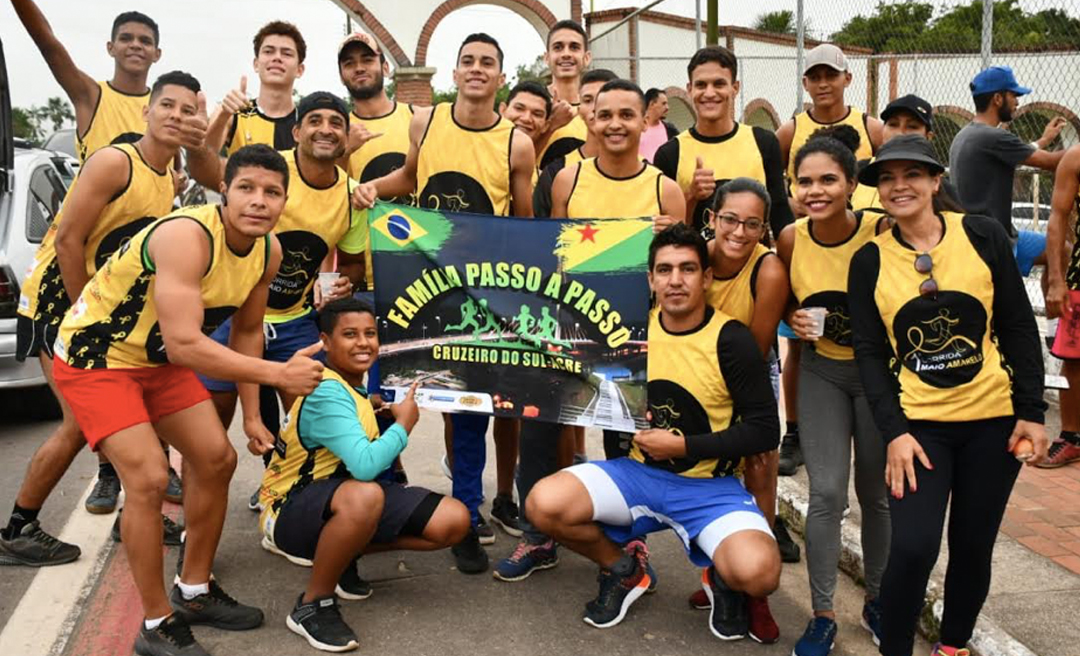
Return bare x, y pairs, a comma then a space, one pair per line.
504, 513
174, 490
170, 536
215, 608
641, 548
871, 619
254, 505
617, 594
269, 545
103, 497
526, 559
942, 650
33, 547
762, 626
350, 585
170, 638
789, 549
791, 457
484, 530
1061, 453
320, 623
699, 600
469, 555
445, 463
817, 639
728, 619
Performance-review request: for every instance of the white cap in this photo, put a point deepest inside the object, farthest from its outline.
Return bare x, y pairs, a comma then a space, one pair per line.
825, 54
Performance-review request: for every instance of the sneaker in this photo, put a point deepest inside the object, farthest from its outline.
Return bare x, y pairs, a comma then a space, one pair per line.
789, 550
871, 619
215, 608
504, 513
269, 545
699, 600
728, 619
170, 537
102, 499
174, 490
445, 463
254, 505
320, 623
639, 547
817, 639
1061, 453
617, 594
34, 547
763, 628
940, 650
526, 559
350, 585
469, 555
484, 530
790, 455
170, 638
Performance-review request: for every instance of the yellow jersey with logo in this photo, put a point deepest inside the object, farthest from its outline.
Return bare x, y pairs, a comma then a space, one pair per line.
734, 296
464, 169
563, 141
114, 322
866, 197
819, 278
148, 195
946, 354
250, 126
687, 391
806, 126
314, 221
293, 465
118, 118
596, 195
384, 154
736, 155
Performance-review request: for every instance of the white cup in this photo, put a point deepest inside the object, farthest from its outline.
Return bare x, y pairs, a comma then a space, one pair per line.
818, 314
326, 283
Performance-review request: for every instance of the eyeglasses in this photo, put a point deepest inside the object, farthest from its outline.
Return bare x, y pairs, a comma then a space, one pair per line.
924, 264
729, 222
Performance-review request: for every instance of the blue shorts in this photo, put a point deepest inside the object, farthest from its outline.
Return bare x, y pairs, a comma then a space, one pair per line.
785, 330
283, 340
1029, 245
631, 499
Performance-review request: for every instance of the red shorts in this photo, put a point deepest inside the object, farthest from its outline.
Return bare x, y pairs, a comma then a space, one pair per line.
105, 401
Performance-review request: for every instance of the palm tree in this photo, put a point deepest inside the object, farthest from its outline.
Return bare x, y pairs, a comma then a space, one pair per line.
776, 22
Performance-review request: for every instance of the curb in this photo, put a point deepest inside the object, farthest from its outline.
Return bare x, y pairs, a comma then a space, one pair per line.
988, 639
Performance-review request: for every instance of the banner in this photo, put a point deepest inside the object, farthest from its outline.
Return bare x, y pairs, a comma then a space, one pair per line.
536, 318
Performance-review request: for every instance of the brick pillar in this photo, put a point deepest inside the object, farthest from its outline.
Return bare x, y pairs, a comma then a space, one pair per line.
413, 85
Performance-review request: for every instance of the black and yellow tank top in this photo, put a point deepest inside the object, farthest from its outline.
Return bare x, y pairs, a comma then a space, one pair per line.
1072, 274
147, 196
687, 391
866, 197
819, 278
596, 195
313, 222
947, 358
734, 155
805, 126
463, 169
734, 296
251, 126
563, 141
293, 465
384, 154
114, 322
118, 118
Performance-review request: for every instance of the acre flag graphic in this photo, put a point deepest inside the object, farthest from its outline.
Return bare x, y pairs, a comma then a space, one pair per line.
536, 318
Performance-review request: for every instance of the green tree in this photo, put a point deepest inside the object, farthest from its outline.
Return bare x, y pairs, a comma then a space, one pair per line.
24, 125
776, 22
892, 28
56, 111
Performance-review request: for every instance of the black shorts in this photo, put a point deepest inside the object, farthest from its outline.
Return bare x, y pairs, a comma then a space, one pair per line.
34, 337
406, 512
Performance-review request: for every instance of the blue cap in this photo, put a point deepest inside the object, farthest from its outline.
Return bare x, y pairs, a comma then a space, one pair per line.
996, 79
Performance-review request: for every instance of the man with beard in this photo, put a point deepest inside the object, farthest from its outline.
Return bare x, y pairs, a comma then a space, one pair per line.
983, 159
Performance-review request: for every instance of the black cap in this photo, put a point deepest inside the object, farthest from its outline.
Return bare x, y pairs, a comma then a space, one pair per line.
321, 100
913, 104
906, 147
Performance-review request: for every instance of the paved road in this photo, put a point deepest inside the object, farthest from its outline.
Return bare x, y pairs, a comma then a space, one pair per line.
421, 605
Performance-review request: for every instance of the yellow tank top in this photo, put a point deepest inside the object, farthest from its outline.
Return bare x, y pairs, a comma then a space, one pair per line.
564, 140
294, 465
117, 115
734, 296
462, 169
805, 126
251, 126
313, 222
819, 278
687, 391
147, 196
866, 197
947, 358
114, 322
573, 157
384, 154
595, 195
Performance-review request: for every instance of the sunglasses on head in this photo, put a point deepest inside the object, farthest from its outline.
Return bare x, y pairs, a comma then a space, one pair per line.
924, 264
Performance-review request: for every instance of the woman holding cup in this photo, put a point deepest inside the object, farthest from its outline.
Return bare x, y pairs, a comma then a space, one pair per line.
834, 416
949, 355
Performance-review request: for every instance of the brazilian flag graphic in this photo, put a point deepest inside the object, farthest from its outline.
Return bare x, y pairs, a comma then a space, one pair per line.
399, 228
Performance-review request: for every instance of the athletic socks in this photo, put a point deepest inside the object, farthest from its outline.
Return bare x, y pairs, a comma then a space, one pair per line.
106, 469
154, 623
1072, 437
793, 428
20, 517
192, 591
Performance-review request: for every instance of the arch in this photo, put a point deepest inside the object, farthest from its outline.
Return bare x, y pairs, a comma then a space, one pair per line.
531, 10
381, 34
681, 112
761, 113
948, 120
1032, 118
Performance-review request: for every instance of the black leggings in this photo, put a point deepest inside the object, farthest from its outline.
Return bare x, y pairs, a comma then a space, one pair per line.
971, 462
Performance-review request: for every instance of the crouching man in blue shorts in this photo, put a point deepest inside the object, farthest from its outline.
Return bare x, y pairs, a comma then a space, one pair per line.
328, 493
710, 404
